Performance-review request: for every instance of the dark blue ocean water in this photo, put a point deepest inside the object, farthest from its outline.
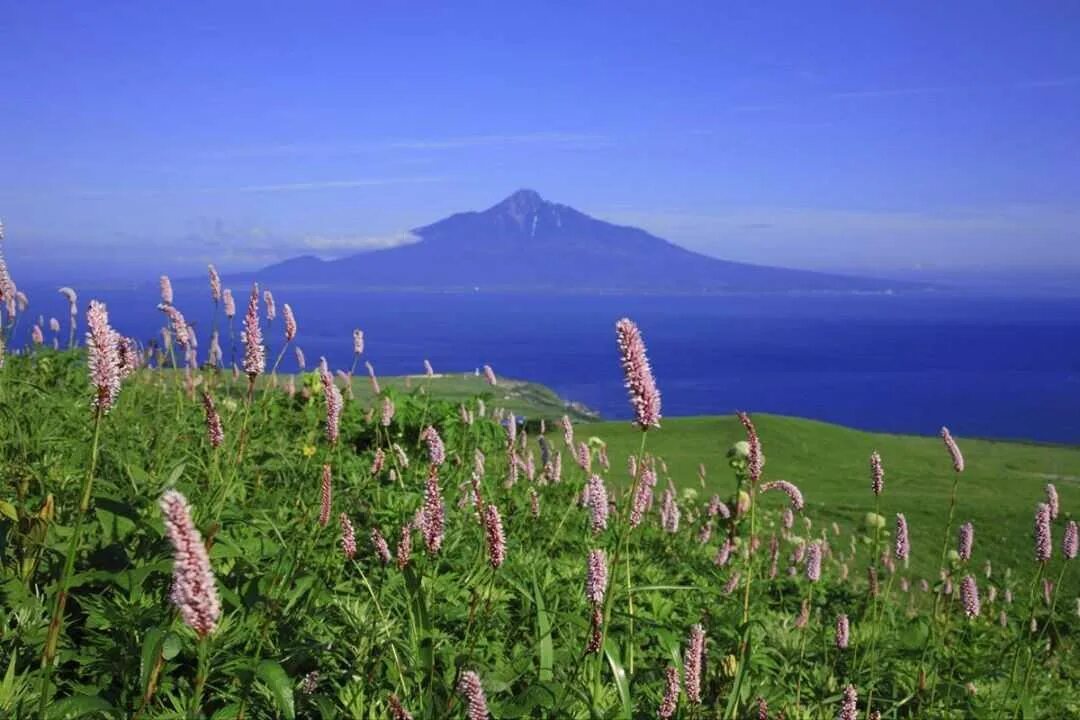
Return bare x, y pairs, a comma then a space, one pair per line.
988, 367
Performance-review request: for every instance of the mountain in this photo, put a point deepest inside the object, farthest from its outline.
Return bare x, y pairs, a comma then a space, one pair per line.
528, 243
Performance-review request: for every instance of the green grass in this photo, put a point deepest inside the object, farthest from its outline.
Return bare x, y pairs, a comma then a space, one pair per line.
999, 488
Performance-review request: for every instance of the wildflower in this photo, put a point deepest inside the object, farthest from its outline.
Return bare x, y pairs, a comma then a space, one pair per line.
228, 303
469, 686
358, 342
902, 545
755, 460
271, 308
193, 592
348, 537
399, 453
72, 298
404, 548
397, 710
489, 375
374, 380
334, 403
787, 518
254, 351
843, 632
965, 540
166, 290
325, 496
774, 556
433, 525
954, 450
435, 448
496, 540
36, 336
793, 493
179, 325
378, 461
596, 635
732, 583
310, 683
705, 533
596, 577
1043, 545
584, 457
1052, 501
877, 473
1070, 541
382, 550
213, 422
669, 510
290, 323
969, 595
215, 284
692, 660
598, 503
568, 432
103, 358
717, 507
762, 709
644, 396
671, 694
813, 562
849, 706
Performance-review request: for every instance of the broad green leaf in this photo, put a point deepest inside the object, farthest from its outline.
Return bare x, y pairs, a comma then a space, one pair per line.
170, 648
151, 648
543, 631
621, 681
277, 680
80, 706
8, 510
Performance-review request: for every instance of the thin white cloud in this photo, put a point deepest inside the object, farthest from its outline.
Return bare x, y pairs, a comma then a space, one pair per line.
270, 188
332, 244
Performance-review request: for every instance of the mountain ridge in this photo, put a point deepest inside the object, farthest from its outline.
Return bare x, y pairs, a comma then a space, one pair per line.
526, 243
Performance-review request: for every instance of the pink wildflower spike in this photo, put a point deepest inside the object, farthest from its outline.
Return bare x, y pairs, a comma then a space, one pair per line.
37, 337
300, 360
489, 375
849, 705
375, 389
215, 284
179, 325
1070, 541
436, 449
378, 461
762, 709
843, 632
254, 350
755, 461
102, 358
194, 591
644, 396
348, 537
954, 450
382, 550
166, 289
813, 562
596, 633
787, 518
496, 540
598, 503
584, 457
568, 432
433, 527
969, 595
358, 342
902, 547
877, 473
228, 303
596, 577
723, 553
290, 323
404, 548
271, 308
1052, 501
214, 433
334, 403
732, 584
717, 507
793, 493
325, 496
692, 662
470, 688
669, 510
670, 701
54, 325
965, 539
1043, 543
397, 710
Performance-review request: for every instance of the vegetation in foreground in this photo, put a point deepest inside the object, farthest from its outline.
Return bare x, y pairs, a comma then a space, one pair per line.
202, 545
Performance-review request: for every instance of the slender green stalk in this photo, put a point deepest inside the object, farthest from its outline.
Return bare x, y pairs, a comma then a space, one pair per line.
1031, 616
201, 673
48, 657
802, 647
1038, 640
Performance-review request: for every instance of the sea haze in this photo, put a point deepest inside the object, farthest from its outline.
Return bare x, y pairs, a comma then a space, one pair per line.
990, 367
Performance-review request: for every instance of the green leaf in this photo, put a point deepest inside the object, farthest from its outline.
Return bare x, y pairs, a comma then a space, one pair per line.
9, 683
543, 631
80, 706
621, 682
151, 648
171, 647
229, 712
275, 678
8, 510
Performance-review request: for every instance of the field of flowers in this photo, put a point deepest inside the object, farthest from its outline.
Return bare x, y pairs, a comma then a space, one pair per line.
182, 540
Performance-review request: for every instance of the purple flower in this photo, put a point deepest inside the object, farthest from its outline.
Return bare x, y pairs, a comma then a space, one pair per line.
496, 540
671, 694
254, 351
358, 342
489, 375
271, 308
436, 449
755, 460
166, 290
228, 303
849, 705
348, 537
732, 583
325, 496
669, 510
1069, 541
103, 359
193, 592
300, 361
178, 323
843, 632
1043, 543
969, 595
877, 473
568, 431
793, 493
723, 553
215, 284
644, 396
382, 550
1052, 500
334, 403
598, 503
470, 688
813, 562
902, 544
596, 577
964, 541
290, 323
954, 450
433, 518
213, 422
404, 548
692, 660
397, 710
36, 336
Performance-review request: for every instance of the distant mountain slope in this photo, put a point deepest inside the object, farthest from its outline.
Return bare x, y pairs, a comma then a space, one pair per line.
528, 243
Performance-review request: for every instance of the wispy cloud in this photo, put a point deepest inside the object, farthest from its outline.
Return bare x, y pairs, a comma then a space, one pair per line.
1059, 82
269, 188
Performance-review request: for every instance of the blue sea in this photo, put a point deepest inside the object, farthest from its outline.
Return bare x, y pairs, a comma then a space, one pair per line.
984, 366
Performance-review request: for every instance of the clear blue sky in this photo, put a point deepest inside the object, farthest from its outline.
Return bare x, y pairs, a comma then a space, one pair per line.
860, 136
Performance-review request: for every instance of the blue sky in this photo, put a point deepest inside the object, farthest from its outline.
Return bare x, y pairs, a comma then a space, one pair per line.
854, 136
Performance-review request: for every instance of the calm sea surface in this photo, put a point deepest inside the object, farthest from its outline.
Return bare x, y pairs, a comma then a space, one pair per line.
987, 367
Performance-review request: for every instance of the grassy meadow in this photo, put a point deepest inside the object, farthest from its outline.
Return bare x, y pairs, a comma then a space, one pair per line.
214, 544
